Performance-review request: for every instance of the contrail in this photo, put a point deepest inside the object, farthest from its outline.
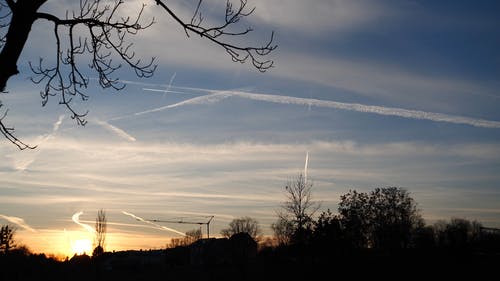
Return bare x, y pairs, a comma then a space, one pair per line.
119, 132
23, 164
170, 83
56, 126
305, 167
164, 91
381, 110
151, 223
18, 221
206, 99
76, 219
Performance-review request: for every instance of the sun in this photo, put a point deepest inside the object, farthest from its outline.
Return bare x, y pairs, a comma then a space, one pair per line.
81, 246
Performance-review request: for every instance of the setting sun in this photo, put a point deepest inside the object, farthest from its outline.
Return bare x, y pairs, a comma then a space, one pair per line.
81, 246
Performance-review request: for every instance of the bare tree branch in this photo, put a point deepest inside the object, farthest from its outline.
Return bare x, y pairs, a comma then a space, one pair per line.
5, 15
105, 38
96, 32
218, 34
8, 133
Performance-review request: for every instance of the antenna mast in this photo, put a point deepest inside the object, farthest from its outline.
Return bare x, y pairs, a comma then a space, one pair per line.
181, 220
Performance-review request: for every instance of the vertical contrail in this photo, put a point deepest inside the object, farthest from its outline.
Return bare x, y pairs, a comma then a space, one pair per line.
76, 219
305, 167
154, 224
170, 84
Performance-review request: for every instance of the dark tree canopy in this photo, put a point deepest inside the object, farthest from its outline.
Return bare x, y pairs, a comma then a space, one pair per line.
385, 218
97, 34
243, 225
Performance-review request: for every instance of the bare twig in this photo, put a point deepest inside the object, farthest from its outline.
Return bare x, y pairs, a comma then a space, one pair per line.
5, 16
8, 133
219, 34
97, 31
106, 38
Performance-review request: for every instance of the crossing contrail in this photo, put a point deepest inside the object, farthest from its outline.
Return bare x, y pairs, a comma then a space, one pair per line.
218, 96
162, 227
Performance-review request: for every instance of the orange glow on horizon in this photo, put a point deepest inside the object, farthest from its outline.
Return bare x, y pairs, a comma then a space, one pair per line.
81, 246
67, 243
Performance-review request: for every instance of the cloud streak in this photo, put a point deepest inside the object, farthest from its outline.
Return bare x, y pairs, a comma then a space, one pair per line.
18, 221
380, 110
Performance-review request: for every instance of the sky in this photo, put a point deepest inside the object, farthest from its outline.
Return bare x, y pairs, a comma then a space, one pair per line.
372, 93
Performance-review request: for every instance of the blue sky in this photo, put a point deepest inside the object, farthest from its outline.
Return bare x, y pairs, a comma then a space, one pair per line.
377, 93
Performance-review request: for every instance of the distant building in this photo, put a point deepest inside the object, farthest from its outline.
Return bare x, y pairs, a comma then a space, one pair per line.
240, 248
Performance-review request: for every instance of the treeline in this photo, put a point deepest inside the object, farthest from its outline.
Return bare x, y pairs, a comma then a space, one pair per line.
380, 232
385, 219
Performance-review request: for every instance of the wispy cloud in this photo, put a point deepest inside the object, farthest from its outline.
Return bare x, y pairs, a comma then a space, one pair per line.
152, 223
76, 219
380, 110
18, 221
328, 15
119, 132
22, 163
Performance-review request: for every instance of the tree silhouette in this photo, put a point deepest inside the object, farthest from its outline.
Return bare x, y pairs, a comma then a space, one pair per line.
298, 210
355, 216
457, 234
385, 218
328, 234
243, 225
283, 230
191, 237
394, 217
6, 238
99, 31
100, 233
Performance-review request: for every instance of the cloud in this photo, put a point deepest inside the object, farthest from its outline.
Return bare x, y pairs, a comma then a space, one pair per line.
18, 221
320, 15
380, 110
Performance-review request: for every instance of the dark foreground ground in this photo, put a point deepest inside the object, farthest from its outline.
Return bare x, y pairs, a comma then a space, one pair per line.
267, 265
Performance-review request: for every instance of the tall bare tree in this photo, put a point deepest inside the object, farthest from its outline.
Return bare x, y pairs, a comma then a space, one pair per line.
101, 225
298, 210
98, 32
